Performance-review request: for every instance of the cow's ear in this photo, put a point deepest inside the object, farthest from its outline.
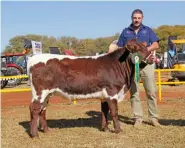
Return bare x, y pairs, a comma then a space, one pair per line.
144, 43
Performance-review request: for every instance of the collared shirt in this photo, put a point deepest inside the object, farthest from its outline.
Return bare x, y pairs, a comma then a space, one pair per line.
172, 52
145, 34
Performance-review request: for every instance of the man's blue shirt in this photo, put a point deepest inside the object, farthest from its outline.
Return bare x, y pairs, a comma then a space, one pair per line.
145, 34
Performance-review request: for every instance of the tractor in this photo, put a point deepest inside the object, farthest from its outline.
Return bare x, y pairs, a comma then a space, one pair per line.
15, 65
3, 72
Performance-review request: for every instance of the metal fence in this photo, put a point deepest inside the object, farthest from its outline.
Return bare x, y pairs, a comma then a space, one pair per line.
160, 83
158, 71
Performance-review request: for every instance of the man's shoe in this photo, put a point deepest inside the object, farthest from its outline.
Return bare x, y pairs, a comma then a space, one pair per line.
155, 123
138, 123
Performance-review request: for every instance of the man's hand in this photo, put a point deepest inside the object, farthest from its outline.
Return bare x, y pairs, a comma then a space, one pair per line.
112, 48
153, 47
151, 59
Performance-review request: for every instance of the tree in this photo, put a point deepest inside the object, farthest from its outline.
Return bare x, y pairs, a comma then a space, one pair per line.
90, 46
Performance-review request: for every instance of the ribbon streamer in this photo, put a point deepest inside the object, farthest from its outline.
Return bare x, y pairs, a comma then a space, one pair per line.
136, 68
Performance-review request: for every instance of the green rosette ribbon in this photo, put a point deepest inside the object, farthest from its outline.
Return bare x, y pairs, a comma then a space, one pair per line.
136, 59
137, 69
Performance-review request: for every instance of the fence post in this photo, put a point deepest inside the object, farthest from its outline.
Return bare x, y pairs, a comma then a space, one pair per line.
74, 101
159, 87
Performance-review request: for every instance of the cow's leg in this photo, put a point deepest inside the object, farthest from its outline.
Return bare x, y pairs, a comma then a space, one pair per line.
43, 122
104, 120
35, 109
114, 113
42, 118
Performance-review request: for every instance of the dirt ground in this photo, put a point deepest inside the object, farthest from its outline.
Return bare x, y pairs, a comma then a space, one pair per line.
77, 126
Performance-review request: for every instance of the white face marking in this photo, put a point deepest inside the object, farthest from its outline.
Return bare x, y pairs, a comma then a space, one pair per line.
45, 57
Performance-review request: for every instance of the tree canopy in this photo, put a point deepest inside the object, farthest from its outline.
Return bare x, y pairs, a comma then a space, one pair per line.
89, 46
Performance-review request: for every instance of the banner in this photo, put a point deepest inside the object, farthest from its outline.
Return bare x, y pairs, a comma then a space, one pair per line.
36, 47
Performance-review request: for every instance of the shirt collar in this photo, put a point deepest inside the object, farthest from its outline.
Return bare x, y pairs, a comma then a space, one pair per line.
141, 27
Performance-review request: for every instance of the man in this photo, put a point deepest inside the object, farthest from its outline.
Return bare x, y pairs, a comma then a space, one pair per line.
173, 49
143, 34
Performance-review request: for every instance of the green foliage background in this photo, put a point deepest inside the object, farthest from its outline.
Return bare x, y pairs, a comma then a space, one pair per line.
89, 46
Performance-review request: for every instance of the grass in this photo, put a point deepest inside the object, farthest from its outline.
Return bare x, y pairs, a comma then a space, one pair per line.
77, 126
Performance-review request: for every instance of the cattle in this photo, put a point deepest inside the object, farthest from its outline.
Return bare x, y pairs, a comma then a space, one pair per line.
106, 76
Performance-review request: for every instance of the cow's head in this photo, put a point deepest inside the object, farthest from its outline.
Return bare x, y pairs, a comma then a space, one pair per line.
139, 47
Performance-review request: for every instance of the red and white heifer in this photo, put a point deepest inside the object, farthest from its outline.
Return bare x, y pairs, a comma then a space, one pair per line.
105, 76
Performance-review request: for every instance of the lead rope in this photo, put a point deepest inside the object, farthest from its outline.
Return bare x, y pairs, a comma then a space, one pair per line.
136, 68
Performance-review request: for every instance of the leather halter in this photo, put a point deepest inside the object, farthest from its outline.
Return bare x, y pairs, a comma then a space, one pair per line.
144, 60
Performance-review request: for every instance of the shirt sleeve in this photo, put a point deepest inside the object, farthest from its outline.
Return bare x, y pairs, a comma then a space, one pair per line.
152, 37
121, 41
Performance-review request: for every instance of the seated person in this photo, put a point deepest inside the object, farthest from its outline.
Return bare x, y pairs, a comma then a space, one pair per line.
183, 48
172, 50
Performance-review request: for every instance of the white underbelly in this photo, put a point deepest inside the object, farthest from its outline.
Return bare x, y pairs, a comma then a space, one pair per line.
100, 94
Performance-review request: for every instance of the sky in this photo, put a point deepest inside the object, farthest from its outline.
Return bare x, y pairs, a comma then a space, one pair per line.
83, 19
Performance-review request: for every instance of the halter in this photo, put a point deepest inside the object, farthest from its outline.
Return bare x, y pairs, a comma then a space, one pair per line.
144, 60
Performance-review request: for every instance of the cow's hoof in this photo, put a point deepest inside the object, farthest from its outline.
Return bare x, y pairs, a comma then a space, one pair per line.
46, 130
34, 136
105, 129
117, 131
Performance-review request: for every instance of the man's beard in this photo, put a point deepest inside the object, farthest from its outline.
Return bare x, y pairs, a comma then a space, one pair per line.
137, 26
